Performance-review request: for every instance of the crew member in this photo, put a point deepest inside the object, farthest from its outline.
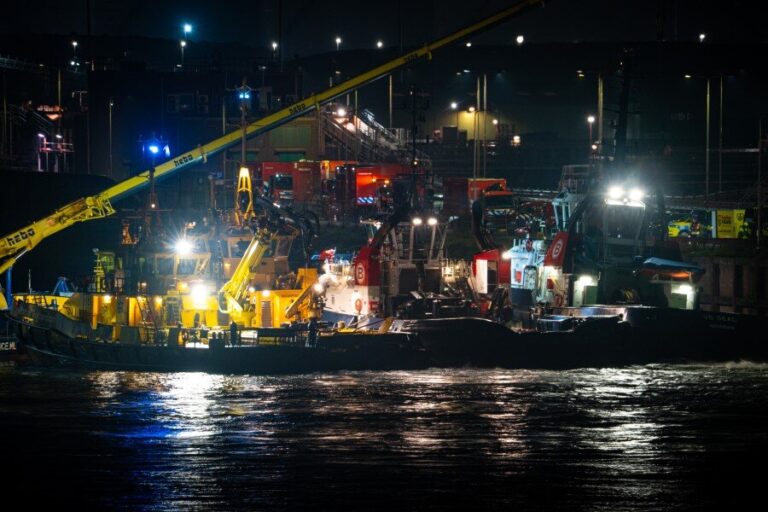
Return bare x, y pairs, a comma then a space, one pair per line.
233, 333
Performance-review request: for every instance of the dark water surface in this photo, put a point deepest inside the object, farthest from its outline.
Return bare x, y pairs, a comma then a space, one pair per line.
640, 438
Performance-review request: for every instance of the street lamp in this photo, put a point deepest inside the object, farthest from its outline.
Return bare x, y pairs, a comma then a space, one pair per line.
455, 106
74, 49
274, 46
379, 44
338, 42
187, 29
111, 104
590, 122
706, 135
702, 37
520, 39
469, 44
182, 44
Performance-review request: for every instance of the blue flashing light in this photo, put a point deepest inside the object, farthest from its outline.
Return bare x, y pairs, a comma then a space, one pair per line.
167, 150
153, 148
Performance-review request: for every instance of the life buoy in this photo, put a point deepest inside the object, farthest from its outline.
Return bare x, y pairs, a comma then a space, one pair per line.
358, 305
558, 300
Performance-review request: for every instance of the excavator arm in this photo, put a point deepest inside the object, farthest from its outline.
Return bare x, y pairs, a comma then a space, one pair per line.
14, 245
233, 292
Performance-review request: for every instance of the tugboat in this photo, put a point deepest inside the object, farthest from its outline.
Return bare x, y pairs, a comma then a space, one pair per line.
402, 272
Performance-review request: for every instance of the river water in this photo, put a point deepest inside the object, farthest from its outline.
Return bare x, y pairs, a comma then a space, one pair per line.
639, 438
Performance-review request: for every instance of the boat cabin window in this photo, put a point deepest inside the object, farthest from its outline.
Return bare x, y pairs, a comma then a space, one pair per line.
623, 222
281, 182
164, 266
281, 247
187, 267
238, 248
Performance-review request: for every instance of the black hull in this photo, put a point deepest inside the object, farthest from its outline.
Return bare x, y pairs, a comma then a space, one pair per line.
343, 352
653, 336
663, 336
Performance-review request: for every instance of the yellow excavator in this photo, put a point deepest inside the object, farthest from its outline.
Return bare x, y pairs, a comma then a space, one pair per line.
275, 305
17, 243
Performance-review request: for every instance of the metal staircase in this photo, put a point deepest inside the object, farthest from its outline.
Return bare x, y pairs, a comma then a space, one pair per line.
148, 319
362, 138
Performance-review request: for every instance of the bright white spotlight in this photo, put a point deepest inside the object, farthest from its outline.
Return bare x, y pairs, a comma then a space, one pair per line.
318, 288
432, 221
417, 221
636, 194
183, 247
520, 39
615, 192
199, 293
341, 112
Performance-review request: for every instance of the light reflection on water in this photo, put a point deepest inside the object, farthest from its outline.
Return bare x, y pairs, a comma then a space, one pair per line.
607, 439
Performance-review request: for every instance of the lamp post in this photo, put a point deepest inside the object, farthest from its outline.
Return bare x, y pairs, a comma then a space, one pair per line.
338, 42
707, 137
590, 122
706, 150
455, 106
599, 118
182, 44
186, 29
244, 97
111, 104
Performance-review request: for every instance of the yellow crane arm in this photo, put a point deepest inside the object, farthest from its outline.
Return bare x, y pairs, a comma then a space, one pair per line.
19, 242
16, 244
233, 292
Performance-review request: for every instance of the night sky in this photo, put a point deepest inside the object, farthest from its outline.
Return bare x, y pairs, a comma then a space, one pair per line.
311, 26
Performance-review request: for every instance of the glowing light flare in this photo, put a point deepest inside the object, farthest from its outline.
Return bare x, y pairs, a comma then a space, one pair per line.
183, 247
615, 192
636, 194
199, 293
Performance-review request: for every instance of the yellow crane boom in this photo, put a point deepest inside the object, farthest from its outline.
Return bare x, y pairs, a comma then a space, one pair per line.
17, 243
233, 292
